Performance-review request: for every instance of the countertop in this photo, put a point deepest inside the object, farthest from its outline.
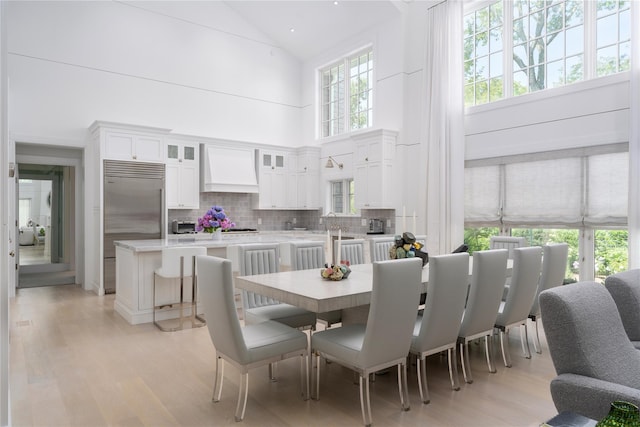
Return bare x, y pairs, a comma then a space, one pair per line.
205, 239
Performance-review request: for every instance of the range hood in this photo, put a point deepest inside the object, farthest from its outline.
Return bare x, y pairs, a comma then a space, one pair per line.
226, 169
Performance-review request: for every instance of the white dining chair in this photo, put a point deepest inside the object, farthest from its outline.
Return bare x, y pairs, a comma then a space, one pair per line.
307, 255
436, 330
352, 251
178, 265
385, 339
507, 242
514, 312
379, 248
249, 347
262, 258
483, 302
554, 267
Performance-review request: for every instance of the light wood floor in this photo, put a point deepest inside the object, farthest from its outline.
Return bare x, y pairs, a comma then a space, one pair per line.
75, 362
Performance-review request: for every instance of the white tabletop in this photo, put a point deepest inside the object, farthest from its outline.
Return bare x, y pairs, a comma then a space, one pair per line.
306, 289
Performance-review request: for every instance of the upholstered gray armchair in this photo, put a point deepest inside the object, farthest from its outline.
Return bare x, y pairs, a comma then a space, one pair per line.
593, 357
624, 287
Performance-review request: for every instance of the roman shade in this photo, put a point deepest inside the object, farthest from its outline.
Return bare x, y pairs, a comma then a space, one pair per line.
568, 188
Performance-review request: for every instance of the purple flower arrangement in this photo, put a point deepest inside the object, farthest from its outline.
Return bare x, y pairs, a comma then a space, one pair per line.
214, 219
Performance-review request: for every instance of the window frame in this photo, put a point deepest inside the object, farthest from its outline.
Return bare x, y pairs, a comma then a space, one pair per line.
327, 127
589, 48
347, 196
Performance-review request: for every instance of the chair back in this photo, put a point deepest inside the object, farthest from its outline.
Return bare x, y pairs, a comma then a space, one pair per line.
446, 295
352, 251
624, 288
393, 310
258, 258
171, 260
554, 266
307, 255
585, 334
216, 298
527, 263
507, 242
379, 248
485, 292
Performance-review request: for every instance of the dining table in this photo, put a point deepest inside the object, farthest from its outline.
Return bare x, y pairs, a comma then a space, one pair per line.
307, 289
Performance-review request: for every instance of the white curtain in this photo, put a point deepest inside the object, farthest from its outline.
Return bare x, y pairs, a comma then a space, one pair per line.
634, 141
442, 136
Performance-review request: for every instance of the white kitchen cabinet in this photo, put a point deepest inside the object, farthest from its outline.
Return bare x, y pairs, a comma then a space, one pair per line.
308, 178
373, 169
183, 175
133, 146
275, 180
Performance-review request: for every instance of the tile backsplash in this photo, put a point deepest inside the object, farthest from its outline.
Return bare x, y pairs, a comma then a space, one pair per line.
238, 207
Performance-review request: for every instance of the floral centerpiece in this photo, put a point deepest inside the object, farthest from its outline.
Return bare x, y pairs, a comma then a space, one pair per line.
213, 220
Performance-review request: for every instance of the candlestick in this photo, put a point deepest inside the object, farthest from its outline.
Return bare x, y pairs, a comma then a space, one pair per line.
339, 254
327, 250
404, 220
413, 229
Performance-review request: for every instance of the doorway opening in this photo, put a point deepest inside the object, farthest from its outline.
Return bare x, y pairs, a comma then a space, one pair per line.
45, 203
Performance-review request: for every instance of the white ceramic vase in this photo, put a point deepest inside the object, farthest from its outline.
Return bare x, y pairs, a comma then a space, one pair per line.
217, 235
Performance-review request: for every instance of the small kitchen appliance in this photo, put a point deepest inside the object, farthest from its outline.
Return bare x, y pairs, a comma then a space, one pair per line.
183, 227
376, 226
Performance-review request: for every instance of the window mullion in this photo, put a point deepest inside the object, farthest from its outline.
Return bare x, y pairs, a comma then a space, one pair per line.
507, 46
589, 40
347, 95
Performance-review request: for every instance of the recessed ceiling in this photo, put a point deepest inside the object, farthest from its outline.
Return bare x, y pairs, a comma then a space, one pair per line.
317, 25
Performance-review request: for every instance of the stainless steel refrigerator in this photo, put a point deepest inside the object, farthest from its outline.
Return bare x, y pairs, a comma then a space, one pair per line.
133, 208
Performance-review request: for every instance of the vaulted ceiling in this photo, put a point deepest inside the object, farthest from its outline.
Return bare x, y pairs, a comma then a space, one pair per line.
306, 28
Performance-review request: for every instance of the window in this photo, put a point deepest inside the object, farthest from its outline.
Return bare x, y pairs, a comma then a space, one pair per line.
580, 199
545, 44
353, 93
483, 69
548, 44
613, 36
343, 197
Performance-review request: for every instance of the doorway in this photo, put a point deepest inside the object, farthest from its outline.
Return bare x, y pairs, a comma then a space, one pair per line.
45, 212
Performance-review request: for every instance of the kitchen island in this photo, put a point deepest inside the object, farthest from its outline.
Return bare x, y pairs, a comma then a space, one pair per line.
137, 260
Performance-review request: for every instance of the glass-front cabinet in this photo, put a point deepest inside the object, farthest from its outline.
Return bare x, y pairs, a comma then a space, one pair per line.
183, 174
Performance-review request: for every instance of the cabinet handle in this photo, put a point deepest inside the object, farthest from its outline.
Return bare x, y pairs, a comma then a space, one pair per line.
134, 157
179, 160
366, 159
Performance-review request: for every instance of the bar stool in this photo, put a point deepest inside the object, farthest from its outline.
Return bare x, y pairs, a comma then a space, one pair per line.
176, 264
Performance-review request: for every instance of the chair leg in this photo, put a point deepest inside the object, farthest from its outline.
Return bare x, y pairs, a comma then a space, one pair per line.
217, 386
453, 368
506, 357
422, 379
464, 361
273, 371
304, 375
365, 401
403, 387
536, 339
317, 377
488, 349
243, 391
524, 340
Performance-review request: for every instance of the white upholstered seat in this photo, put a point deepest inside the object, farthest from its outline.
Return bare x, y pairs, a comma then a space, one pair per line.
245, 348
515, 310
385, 339
436, 330
487, 282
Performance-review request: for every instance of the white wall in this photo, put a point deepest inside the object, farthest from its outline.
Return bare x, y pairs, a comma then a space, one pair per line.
149, 63
594, 112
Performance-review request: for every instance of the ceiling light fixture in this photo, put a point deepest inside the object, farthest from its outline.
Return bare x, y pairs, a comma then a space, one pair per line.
292, 30
330, 163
